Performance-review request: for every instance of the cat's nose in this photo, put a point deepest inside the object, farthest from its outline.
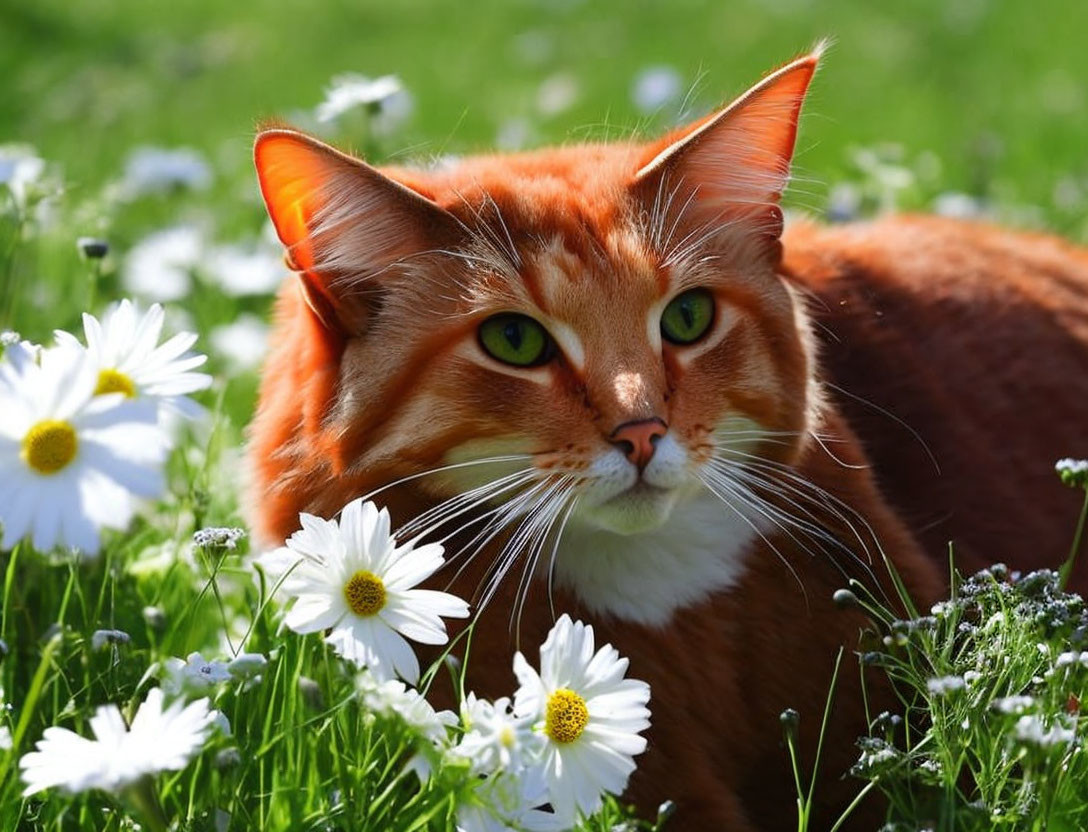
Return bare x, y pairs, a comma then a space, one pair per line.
638, 440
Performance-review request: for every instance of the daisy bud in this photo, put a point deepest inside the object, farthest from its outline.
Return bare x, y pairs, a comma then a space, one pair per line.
93, 248
791, 721
311, 693
155, 617
665, 811
100, 638
227, 758
845, 599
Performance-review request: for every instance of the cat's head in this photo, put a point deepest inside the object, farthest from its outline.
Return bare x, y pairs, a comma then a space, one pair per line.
600, 321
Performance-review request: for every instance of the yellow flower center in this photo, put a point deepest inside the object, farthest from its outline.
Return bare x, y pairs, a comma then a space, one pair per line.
49, 446
566, 717
365, 593
507, 737
114, 381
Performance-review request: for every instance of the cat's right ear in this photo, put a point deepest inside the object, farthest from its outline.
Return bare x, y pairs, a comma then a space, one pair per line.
343, 224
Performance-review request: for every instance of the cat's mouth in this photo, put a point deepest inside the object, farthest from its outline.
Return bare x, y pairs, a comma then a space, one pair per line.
640, 508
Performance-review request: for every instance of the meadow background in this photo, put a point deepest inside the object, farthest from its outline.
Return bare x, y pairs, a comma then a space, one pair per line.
964, 107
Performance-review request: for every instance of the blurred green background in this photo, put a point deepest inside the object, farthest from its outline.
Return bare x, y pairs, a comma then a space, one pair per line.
994, 89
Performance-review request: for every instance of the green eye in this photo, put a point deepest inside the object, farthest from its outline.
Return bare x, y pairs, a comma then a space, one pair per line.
688, 316
515, 339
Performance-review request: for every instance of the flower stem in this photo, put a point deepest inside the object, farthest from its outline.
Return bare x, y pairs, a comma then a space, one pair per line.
145, 803
1067, 567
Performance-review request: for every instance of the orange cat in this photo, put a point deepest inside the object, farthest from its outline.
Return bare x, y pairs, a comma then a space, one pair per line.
618, 389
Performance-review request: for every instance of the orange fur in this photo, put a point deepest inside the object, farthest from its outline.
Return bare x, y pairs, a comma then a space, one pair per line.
975, 337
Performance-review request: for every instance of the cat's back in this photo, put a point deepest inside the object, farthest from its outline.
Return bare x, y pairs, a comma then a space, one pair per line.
961, 347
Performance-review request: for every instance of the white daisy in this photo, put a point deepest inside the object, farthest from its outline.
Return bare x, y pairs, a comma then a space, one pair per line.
70, 461
508, 802
351, 90
241, 343
159, 739
352, 578
125, 349
239, 270
150, 170
159, 267
494, 738
589, 714
195, 675
20, 169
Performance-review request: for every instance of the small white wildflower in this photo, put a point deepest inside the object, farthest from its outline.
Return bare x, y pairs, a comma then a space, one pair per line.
943, 685
958, 205
241, 271
5, 738
100, 638
151, 170
193, 675
160, 266
20, 169
506, 802
1073, 466
557, 94
218, 537
1067, 659
494, 738
656, 87
220, 722
243, 342
159, 739
350, 578
246, 665
514, 134
392, 697
1031, 729
1013, 704
971, 676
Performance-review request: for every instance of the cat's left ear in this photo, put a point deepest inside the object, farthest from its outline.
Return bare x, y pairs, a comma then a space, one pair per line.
343, 223
729, 169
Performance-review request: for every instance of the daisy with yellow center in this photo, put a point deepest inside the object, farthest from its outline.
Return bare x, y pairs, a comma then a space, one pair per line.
351, 579
71, 461
125, 350
589, 715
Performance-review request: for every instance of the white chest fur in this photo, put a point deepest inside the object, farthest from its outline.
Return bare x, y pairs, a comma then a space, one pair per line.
646, 577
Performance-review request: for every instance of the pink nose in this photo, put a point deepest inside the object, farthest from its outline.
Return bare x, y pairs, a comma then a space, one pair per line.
638, 440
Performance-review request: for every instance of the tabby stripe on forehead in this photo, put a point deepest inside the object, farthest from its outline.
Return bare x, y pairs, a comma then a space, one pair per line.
363, 435
530, 279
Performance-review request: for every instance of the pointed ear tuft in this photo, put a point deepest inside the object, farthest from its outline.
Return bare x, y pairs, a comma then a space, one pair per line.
341, 222
732, 166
